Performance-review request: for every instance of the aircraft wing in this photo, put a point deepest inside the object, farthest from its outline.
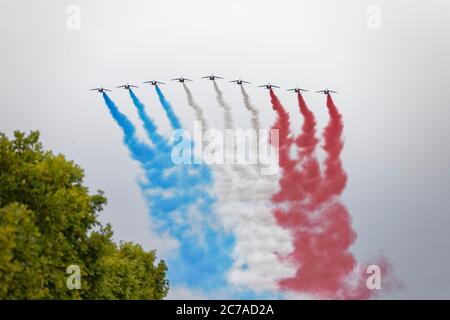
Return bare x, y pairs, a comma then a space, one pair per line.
185, 79
234, 81
132, 86
262, 86
332, 91
96, 89
275, 86
320, 91
107, 90
122, 86
176, 79
160, 82
218, 77
205, 77
245, 81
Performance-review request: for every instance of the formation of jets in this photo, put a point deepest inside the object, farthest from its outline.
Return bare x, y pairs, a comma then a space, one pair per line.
213, 77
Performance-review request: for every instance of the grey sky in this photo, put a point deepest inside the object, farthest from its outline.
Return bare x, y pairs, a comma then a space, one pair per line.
392, 83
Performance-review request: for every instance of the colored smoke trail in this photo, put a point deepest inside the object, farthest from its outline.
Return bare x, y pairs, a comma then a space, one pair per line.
139, 151
256, 125
149, 125
245, 209
287, 190
197, 109
181, 206
319, 223
307, 143
282, 124
227, 207
174, 121
231, 150
335, 178
250, 107
227, 115
321, 242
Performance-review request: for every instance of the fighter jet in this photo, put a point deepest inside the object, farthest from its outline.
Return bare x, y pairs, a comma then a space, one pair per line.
154, 82
240, 81
101, 89
268, 86
212, 77
181, 79
326, 91
297, 90
127, 86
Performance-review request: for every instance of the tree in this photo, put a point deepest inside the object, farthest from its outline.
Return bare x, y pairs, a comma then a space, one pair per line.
49, 221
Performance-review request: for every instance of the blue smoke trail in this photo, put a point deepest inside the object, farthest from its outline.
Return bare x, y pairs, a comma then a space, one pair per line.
174, 121
149, 124
180, 205
140, 152
205, 180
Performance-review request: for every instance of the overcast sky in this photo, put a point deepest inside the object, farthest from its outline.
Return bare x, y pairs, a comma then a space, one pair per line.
393, 85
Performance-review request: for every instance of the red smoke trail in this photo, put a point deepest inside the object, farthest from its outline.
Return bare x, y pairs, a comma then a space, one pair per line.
335, 178
287, 191
319, 223
307, 143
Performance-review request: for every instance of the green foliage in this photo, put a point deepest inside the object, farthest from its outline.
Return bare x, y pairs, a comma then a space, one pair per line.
48, 221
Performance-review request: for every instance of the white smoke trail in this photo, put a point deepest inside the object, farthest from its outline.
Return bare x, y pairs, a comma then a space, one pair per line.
231, 150
256, 125
197, 109
246, 210
250, 107
227, 115
223, 176
260, 242
243, 207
